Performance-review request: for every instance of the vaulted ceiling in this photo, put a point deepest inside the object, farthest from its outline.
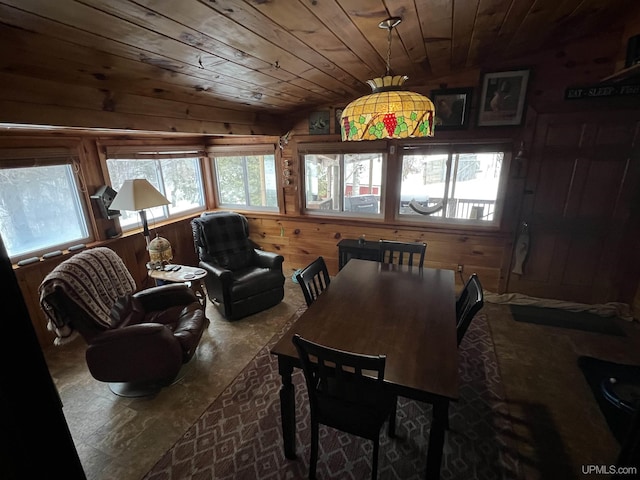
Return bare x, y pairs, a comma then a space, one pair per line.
275, 56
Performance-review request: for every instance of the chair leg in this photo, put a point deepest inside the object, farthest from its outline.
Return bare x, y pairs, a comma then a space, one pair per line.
392, 419
374, 461
313, 458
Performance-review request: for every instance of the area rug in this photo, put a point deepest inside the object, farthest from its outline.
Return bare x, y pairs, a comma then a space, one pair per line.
239, 435
555, 317
595, 372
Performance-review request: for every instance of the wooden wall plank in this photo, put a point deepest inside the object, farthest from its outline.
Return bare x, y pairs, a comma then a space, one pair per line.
489, 19
334, 20
208, 51
571, 210
51, 59
177, 56
257, 23
464, 14
436, 25
512, 21
300, 21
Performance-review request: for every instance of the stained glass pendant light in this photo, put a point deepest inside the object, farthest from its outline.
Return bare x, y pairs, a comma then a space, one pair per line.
389, 111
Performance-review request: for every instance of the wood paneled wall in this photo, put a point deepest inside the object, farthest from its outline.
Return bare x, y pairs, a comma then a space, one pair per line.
591, 263
300, 241
580, 178
583, 176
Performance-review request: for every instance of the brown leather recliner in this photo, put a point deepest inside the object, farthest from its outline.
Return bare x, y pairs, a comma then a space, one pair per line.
241, 280
136, 342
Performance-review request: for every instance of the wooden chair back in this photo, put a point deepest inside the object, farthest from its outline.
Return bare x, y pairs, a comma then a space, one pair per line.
468, 304
313, 279
346, 392
402, 253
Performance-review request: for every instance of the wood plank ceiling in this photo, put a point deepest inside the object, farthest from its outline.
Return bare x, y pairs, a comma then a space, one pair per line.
275, 56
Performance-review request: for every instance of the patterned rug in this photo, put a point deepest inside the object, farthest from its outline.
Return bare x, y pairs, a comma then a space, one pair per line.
239, 435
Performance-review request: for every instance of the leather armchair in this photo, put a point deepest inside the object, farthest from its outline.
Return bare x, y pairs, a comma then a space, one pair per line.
241, 280
136, 341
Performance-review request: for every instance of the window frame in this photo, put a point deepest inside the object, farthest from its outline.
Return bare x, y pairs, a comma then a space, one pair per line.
390, 201
242, 151
12, 158
158, 154
450, 149
375, 147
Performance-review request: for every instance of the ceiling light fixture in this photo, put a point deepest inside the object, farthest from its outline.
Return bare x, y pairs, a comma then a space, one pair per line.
389, 111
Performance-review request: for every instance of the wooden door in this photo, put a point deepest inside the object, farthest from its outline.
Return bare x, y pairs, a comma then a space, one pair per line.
581, 183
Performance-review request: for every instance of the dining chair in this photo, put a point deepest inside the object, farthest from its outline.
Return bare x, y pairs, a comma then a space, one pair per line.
346, 391
468, 304
313, 279
402, 253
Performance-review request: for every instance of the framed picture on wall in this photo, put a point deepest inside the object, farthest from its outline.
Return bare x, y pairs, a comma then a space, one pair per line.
502, 98
319, 123
452, 107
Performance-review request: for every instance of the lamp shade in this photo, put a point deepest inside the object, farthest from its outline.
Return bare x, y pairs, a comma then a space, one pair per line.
388, 112
136, 195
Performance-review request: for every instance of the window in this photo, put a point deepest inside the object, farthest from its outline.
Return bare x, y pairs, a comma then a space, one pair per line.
246, 178
437, 183
343, 182
452, 185
176, 174
41, 207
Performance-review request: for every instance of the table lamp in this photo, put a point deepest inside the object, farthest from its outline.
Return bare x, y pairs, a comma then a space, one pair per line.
160, 252
137, 195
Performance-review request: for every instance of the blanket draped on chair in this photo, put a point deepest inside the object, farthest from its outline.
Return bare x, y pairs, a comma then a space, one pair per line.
93, 279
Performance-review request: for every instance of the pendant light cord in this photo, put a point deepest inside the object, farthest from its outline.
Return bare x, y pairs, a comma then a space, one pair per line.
389, 50
389, 24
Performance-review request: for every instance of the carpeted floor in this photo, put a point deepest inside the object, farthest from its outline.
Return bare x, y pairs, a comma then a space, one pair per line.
239, 437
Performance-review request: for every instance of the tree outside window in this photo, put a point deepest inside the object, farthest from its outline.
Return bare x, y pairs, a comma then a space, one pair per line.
246, 181
40, 209
179, 179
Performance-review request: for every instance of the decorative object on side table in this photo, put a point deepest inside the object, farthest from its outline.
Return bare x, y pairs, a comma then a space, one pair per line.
160, 252
502, 98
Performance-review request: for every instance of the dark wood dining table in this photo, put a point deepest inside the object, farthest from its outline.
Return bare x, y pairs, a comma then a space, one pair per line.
405, 313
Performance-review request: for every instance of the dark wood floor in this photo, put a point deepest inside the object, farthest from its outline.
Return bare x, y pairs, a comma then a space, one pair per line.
557, 423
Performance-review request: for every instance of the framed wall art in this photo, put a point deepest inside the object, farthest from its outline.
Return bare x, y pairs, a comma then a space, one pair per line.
452, 107
319, 123
502, 98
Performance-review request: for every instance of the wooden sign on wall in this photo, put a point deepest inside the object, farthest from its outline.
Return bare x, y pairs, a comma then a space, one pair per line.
599, 91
